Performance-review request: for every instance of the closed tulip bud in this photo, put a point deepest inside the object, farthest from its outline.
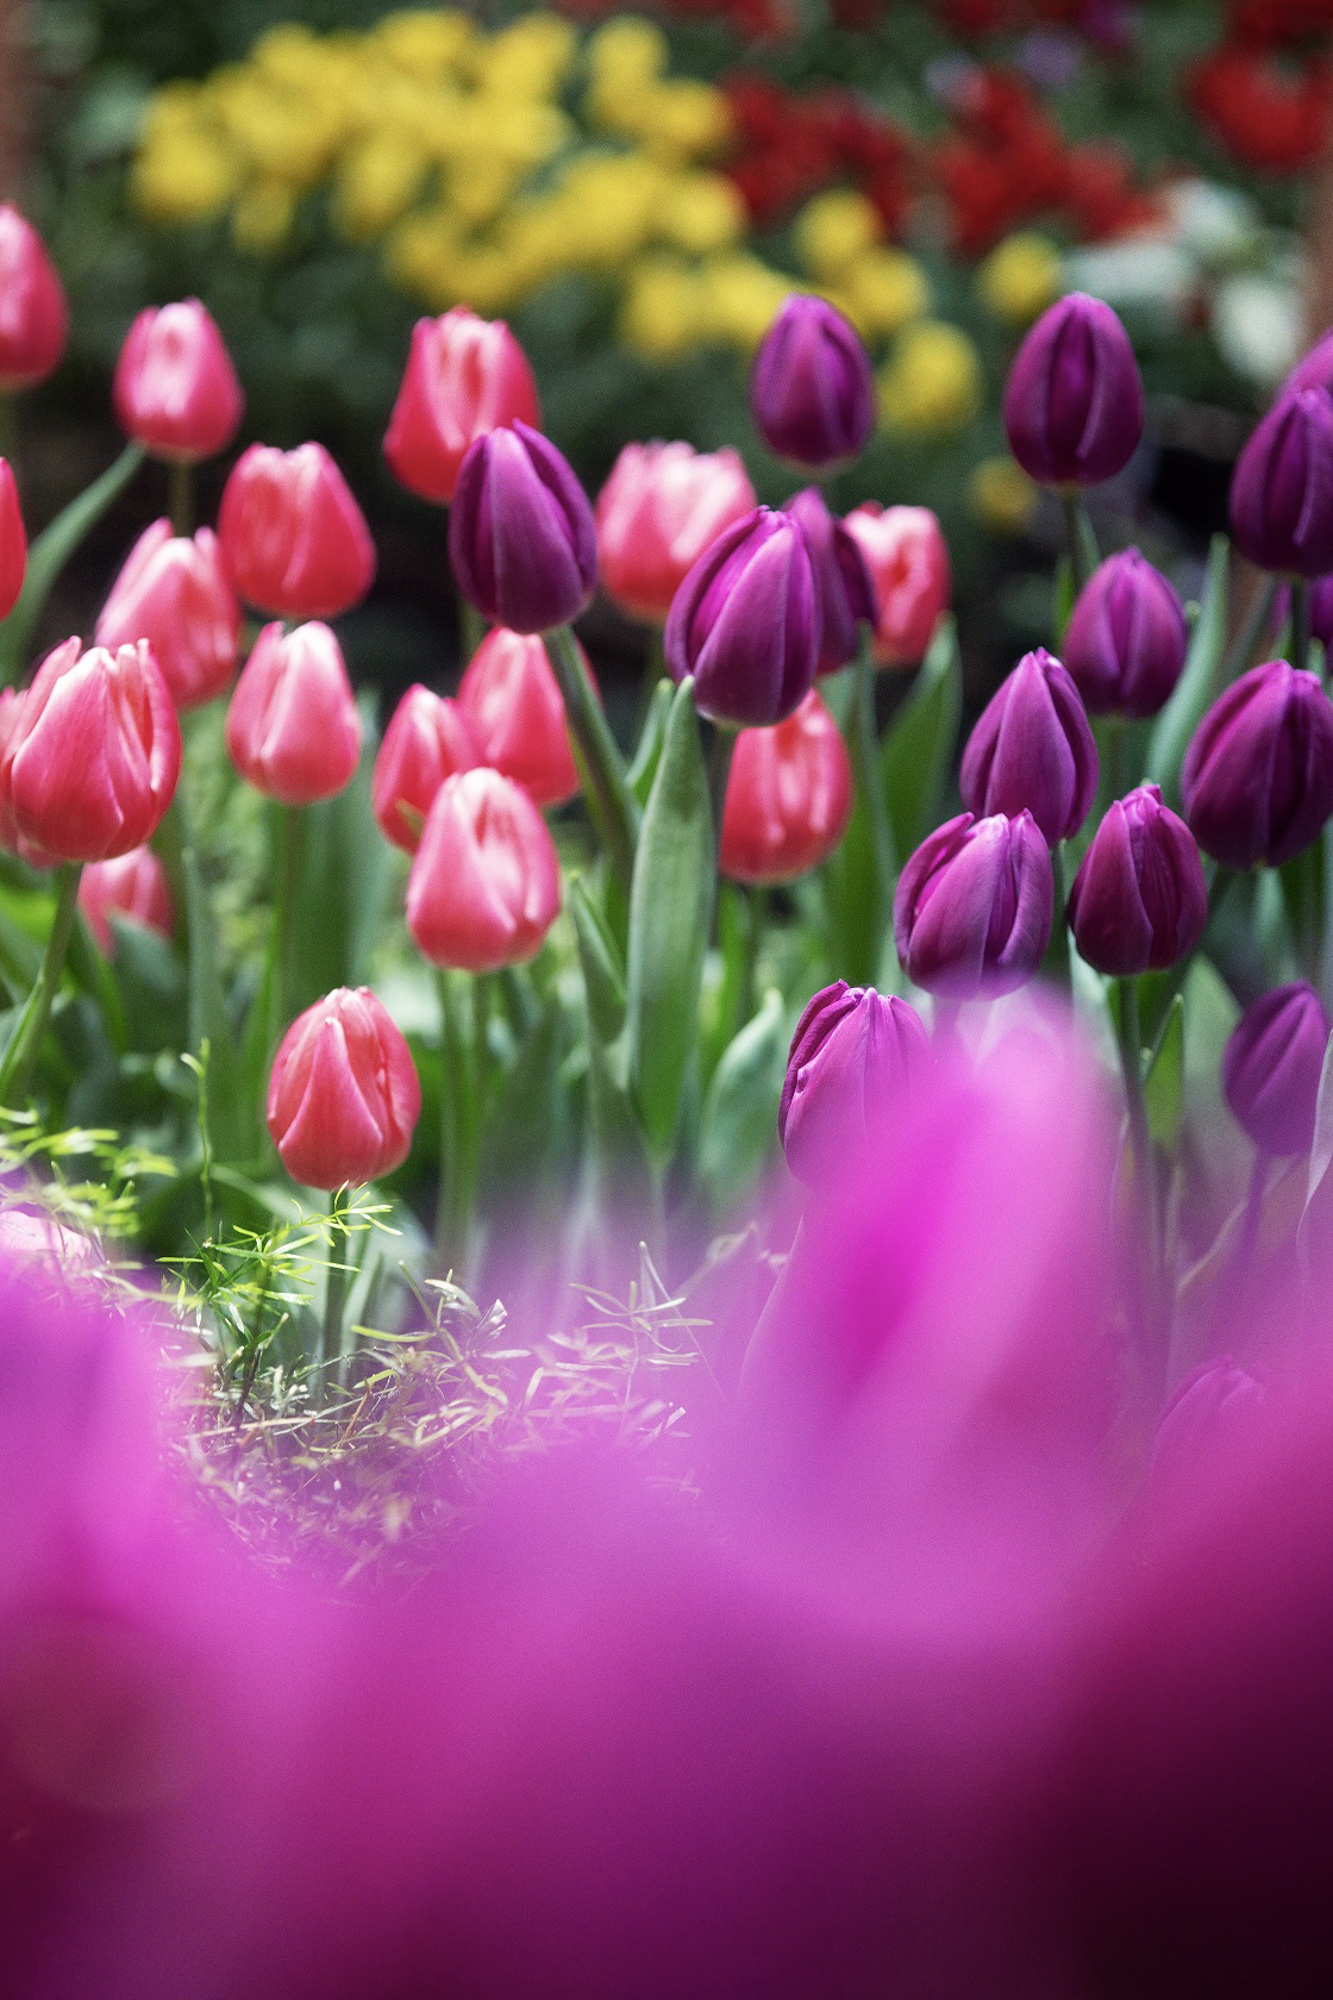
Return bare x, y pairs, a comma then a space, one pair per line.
789, 797
812, 392
1271, 1068
747, 622
1282, 488
293, 731
973, 908
1032, 750
485, 885
343, 1096
522, 539
33, 316
134, 885
294, 538
908, 564
846, 594
1126, 639
174, 591
659, 510
465, 376
175, 391
13, 541
515, 711
427, 740
1257, 780
1315, 369
1138, 903
94, 753
1073, 404
855, 1059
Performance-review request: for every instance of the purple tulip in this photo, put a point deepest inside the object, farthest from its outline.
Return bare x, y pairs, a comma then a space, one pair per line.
812, 394
973, 908
1257, 780
846, 593
1315, 369
1126, 640
522, 539
1282, 488
746, 622
1138, 903
1073, 404
854, 1057
1272, 1065
1032, 750
1213, 1412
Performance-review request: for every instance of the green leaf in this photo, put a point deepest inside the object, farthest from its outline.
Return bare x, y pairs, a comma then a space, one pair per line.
740, 1111
603, 967
1164, 1086
344, 869
52, 549
671, 908
919, 746
520, 1127
1199, 682
643, 770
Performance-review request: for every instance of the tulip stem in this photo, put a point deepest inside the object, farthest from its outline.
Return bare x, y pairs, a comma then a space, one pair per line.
461, 1081
1059, 965
20, 1055
336, 1275
472, 628
286, 888
181, 505
601, 766
1140, 1132
720, 753
1078, 531
870, 809
1255, 625
1300, 622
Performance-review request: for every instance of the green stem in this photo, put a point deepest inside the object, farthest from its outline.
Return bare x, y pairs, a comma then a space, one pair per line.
1218, 890
1300, 622
720, 753
460, 1121
1253, 629
1140, 1139
336, 1277
1059, 965
872, 792
603, 769
472, 628
19, 1057
181, 505
286, 888
1078, 532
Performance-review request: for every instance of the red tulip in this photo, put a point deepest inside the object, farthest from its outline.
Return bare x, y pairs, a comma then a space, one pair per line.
485, 884
909, 568
292, 728
11, 707
133, 885
175, 390
511, 702
427, 740
658, 511
343, 1097
293, 536
13, 541
174, 592
464, 376
93, 757
33, 316
789, 797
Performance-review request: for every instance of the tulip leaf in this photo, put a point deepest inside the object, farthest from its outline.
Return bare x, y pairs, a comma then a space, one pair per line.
741, 1108
671, 911
603, 967
344, 866
52, 549
1164, 1086
1199, 682
643, 770
919, 745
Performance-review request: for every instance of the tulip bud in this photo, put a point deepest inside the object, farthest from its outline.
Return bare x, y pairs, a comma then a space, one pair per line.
789, 797
1032, 750
973, 908
812, 393
1138, 903
1126, 639
516, 713
175, 391
174, 591
1315, 369
292, 728
659, 510
1271, 1068
485, 885
133, 885
464, 377
13, 541
522, 539
11, 708
293, 536
909, 574
92, 760
747, 621
1073, 404
427, 740
343, 1096
855, 1059
846, 594
33, 316
1282, 488
1257, 780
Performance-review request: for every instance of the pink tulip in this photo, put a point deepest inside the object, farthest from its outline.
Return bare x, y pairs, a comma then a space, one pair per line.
133, 885
427, 740
789, 797
343, 1097
13, 541
485, 884
511, 703
658, 511
909, 568
464, 376
293, 731
294, 538
174, 591
175, 390
34, 319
